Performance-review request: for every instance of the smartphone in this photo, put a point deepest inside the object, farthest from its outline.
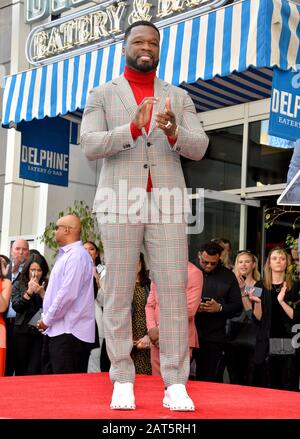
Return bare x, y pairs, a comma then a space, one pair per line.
100, 268
257, 290
205, 299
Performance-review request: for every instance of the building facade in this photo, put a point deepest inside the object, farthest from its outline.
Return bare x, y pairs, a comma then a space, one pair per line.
224, 58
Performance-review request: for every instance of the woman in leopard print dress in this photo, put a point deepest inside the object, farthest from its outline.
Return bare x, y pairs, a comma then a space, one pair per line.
141, 342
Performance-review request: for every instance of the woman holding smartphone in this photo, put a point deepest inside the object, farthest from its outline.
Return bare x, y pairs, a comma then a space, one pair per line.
278, 371
27, 299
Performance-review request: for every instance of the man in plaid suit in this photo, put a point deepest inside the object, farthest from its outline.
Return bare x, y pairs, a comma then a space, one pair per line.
140, 125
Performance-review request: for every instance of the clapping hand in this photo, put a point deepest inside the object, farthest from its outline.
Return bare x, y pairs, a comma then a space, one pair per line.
242, 283
4, 267
166, 121
282, 292
143, 113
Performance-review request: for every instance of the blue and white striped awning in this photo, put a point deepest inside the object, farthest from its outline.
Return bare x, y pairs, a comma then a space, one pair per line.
222, 58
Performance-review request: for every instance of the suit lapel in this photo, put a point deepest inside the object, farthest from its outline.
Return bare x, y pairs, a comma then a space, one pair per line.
125, 94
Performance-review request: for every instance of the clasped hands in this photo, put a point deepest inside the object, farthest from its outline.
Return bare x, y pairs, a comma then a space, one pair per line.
166, 121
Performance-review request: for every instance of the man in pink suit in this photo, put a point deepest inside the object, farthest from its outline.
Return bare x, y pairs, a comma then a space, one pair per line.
140, 125
193, 296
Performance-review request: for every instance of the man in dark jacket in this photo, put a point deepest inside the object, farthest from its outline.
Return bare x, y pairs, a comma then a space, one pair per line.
221, 300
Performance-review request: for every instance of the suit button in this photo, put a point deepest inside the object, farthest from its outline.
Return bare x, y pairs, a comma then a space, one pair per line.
178, 148
148, 144
145, 166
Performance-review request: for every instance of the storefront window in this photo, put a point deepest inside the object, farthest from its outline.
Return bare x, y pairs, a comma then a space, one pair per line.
221, 167
268, 156
221, 220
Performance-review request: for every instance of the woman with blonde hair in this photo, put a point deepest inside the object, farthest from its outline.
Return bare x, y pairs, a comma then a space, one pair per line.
247, 274
275, 369
242, 330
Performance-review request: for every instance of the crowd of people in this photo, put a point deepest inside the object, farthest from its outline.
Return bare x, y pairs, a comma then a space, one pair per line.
240, 323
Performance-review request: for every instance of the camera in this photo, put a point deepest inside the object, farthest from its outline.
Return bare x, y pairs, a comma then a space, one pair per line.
100, 268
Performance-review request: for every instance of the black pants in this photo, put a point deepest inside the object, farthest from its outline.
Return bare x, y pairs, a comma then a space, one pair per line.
65, 353
27, 350
278, 372
240, 365
210, 361
104, 359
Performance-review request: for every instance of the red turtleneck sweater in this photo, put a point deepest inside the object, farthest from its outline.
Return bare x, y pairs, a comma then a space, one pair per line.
142, 85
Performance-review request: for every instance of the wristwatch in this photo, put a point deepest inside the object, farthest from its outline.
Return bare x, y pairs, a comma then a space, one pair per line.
221, 307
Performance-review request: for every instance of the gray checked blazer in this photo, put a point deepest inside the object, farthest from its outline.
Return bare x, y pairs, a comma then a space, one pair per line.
105, 134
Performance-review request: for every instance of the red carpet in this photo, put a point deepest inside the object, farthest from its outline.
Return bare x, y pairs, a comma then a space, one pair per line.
87, 396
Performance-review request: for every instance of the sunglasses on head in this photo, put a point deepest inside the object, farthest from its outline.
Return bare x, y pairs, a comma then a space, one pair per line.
249, 252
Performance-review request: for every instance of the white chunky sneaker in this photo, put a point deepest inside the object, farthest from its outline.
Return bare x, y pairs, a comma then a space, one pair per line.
177, 399
122, 397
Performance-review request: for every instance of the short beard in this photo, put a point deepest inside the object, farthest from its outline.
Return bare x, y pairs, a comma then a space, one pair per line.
130, 62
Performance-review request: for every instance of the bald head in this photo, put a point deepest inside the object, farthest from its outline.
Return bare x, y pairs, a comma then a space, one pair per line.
68, 229
73, 222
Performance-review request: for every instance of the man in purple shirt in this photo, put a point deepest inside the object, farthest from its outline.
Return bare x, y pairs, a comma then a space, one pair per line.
68, 319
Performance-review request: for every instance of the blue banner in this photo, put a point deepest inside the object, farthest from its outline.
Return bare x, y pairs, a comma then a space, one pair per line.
45, 150
285, 104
